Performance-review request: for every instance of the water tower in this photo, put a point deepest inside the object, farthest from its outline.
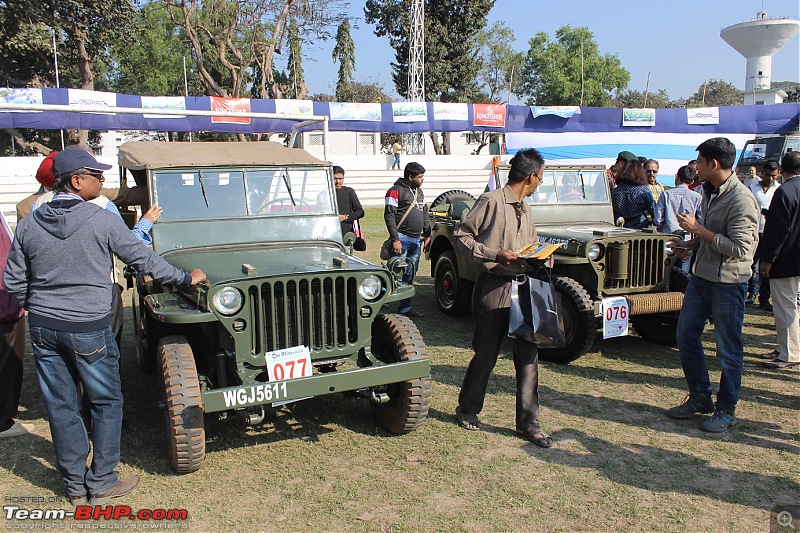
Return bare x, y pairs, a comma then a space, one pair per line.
758, 40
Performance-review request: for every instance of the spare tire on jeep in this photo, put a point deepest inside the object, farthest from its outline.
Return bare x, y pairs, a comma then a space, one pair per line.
449, 197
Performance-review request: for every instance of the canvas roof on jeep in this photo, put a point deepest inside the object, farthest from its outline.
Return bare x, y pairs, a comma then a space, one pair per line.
141, 155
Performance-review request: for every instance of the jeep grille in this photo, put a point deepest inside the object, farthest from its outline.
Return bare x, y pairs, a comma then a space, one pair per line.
644, 264
318, 312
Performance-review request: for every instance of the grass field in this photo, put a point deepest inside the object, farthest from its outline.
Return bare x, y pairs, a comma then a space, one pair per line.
619, 464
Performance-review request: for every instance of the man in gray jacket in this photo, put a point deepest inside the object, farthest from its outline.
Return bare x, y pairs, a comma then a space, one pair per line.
58, 270
724, 247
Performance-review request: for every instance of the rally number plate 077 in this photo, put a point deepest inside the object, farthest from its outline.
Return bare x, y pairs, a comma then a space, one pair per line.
289, 363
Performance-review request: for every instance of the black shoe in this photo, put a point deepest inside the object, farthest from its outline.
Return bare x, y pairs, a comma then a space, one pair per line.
779, 364
691, 406
123, 487
765, 306
413, 313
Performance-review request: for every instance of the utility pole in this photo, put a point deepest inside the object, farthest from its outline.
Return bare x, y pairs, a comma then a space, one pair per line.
646, 88
416, 69
582, 82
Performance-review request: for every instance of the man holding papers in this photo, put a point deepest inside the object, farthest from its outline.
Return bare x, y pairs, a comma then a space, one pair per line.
495, 231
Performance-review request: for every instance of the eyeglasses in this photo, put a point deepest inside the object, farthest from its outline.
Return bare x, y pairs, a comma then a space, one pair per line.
97, 176
651, 171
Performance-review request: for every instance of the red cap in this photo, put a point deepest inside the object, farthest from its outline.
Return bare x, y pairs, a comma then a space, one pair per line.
45, 174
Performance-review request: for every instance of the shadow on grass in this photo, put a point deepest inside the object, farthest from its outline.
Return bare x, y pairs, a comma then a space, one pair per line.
31, 457
636, 414
659, 470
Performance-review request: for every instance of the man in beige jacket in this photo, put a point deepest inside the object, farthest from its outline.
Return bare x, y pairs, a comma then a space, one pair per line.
724, 247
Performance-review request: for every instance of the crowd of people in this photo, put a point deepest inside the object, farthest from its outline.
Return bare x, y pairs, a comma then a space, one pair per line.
739, 242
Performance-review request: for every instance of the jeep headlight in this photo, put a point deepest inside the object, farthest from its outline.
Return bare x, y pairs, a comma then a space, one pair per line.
228, 301
370, 288
594, 252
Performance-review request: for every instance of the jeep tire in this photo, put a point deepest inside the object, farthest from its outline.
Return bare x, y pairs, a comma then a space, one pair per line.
395, 338
453, 293
448, 197
184, 405
661, 328
580, 324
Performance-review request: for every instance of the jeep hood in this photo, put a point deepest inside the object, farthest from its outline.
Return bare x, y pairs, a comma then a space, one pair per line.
586, 232
227, 263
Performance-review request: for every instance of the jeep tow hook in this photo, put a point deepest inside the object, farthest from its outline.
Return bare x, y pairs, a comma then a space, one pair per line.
379, 397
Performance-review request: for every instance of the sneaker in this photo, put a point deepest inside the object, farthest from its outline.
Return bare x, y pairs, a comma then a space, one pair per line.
123, 487
750, 298
15, 431
78, 500
691, 406
719, 421
413, 313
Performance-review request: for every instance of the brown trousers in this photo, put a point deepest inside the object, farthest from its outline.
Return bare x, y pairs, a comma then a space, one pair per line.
491, 311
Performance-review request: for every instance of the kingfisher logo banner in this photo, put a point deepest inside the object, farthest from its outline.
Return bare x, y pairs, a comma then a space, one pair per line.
493, 115
230, 105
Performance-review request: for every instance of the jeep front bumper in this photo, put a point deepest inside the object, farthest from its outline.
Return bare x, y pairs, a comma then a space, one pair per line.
224, 399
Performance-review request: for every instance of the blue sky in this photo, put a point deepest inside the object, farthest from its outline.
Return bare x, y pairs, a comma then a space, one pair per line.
677, 41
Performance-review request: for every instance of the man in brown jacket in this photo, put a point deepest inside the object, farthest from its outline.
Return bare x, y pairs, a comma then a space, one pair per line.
499, 224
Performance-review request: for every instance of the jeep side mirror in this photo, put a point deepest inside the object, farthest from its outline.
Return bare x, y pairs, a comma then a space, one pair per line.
349, 239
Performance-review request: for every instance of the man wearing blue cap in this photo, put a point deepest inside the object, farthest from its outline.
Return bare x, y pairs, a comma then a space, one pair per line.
58, 270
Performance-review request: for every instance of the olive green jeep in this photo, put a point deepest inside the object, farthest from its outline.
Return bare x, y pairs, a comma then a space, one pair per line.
598, 264
287, 312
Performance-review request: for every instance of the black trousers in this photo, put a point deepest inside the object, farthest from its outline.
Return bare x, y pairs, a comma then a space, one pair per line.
12, 354
491, 310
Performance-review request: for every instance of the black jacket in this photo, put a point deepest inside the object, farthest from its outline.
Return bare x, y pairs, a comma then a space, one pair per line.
781, 242
348, 205
397, 200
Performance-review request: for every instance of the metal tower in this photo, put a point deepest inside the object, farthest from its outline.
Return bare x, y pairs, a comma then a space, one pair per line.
758, 40
416, 69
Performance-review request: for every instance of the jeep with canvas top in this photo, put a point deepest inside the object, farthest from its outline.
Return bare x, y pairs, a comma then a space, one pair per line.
287, 312
606, 275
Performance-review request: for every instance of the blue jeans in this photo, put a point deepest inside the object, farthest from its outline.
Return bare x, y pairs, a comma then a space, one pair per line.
396, 161
412, 246
63, 360
725, 302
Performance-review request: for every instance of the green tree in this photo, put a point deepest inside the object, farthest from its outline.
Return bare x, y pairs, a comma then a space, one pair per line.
362, 91
243, 37
791, 88
570, 70
499, 63
295, 63
344, 53
632, 98
714, 93
152, 63
83, 30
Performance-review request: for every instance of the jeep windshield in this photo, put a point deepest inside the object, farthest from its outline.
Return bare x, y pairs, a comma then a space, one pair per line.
192, 194
563, 186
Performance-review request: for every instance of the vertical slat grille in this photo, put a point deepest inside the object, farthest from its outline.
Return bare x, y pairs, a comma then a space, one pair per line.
320, 313
645, 265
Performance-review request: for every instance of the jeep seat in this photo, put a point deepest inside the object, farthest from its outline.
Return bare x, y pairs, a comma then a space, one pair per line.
460, 209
